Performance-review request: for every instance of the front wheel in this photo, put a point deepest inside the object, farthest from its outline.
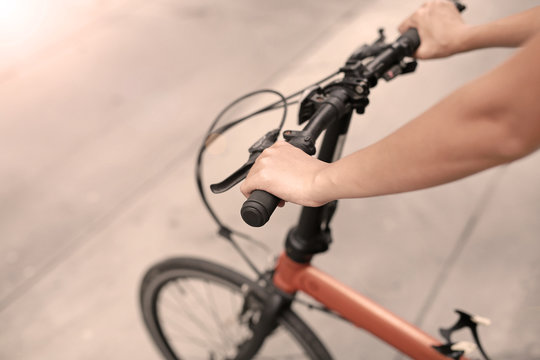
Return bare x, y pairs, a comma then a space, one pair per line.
195, 309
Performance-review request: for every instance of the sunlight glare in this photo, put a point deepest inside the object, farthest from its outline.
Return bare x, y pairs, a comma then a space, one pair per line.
19, 20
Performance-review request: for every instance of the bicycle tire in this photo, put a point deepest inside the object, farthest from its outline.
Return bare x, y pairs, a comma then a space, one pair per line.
177, 273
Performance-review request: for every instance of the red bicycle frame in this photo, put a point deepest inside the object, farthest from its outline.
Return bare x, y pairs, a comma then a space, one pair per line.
291, 276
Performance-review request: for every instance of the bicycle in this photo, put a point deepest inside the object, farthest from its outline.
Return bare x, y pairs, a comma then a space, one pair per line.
240, 317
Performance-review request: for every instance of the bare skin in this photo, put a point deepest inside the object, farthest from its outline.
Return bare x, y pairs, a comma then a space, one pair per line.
444, 33
493, 120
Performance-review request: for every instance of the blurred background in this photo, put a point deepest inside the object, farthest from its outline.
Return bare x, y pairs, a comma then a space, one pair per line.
103, 106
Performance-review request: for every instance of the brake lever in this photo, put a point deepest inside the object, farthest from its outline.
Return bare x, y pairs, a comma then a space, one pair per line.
254, 151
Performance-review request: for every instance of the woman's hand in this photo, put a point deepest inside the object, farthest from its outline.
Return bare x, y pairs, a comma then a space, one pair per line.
440, 28
288, 173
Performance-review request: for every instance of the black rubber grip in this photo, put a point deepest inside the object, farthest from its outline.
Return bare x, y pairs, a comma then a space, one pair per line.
258, 208
411, 38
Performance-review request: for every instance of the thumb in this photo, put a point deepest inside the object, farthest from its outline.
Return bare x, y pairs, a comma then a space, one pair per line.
406, 25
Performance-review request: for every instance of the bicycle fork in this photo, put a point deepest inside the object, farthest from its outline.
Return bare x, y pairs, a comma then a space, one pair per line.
263, 325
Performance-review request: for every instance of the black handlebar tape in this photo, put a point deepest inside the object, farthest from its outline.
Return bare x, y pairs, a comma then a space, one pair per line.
258, 208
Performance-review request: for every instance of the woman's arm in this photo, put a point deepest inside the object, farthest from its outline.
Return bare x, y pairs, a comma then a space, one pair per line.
490, 121
443, 32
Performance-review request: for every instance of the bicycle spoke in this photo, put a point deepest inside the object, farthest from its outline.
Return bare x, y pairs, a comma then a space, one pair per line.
219, 321
168, 320
193, 340
211, 310
199, 302
194, 319
189, 340
227, 330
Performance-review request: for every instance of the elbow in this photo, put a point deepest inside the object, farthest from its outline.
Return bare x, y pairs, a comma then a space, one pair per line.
514, 139
513, 148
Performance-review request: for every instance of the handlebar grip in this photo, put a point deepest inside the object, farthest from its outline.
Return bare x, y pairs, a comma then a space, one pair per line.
258, 208
411, 39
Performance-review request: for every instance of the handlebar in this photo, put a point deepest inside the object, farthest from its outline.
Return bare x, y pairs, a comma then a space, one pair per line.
258, 208
260, 205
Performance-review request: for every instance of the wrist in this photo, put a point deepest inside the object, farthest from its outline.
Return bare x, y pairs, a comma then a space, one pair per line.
463, 39
324, 186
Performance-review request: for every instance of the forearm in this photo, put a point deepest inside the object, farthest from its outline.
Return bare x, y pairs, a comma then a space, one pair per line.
430, 150
511, 31
492, 120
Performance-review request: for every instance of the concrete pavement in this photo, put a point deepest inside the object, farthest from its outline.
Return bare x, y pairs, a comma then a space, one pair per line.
99, 132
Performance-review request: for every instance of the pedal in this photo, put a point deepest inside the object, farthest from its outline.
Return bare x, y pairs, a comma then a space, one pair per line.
456, 350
